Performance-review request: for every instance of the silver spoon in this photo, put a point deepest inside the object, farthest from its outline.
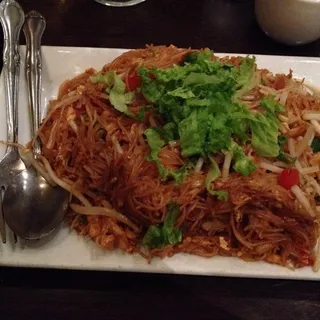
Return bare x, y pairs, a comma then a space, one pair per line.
32, 207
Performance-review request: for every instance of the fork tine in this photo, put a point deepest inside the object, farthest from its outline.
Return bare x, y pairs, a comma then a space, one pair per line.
2, 229
2, 222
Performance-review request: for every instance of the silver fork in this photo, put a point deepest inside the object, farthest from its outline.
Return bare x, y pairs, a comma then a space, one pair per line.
12, 18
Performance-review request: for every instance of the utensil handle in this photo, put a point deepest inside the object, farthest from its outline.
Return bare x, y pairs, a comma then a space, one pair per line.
11, 17
33, 29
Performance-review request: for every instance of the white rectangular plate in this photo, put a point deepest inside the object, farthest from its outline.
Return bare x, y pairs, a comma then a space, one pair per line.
64, 248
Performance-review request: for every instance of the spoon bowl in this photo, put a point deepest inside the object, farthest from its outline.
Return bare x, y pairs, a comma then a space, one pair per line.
33, 207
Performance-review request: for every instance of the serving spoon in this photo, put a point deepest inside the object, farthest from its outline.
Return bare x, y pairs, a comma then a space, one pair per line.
32, 207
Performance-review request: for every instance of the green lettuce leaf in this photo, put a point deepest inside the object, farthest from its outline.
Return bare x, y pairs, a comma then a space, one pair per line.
198, 102
156, 143
212, 175
153, 238
197, 97
170, 131
218, 134
246, 76
193, 131
286, 158
159, 236
116, 88
272, 106
265, 129
178, 175
241, 163
151, 90
283, 156
106, 78
201, 78
181, 92
221, 194
196, 57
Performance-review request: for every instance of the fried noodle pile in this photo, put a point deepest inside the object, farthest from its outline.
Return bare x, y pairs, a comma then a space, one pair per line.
101, 155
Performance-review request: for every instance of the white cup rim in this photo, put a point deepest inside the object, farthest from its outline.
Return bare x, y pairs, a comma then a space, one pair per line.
309, 1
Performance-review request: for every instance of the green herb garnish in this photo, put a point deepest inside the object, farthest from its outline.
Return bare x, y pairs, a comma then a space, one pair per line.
159, 236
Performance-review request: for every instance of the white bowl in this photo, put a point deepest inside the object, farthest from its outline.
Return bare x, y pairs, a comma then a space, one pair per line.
292, 22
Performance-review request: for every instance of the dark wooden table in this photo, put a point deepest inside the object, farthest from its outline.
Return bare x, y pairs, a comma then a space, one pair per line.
225, 26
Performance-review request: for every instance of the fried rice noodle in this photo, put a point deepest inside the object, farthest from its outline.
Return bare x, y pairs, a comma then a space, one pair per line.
101, 156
